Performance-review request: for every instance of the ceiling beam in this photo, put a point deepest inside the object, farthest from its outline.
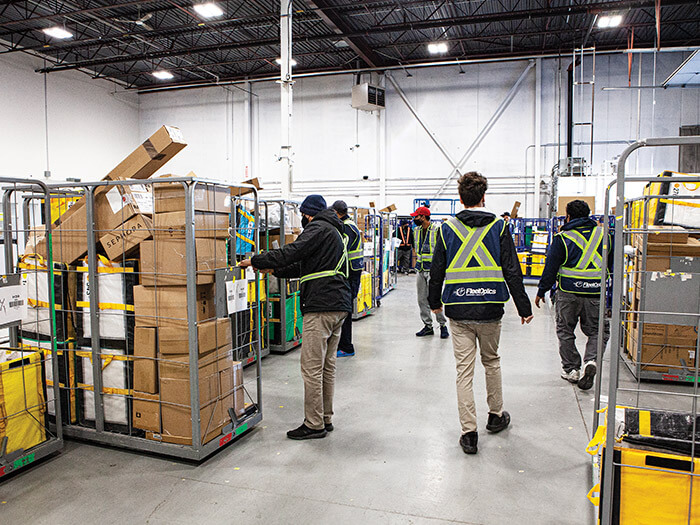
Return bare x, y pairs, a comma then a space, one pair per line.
341, 28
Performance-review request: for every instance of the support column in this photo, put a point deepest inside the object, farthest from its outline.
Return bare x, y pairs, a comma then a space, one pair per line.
248, 169
538, 135
286, 84
381, 156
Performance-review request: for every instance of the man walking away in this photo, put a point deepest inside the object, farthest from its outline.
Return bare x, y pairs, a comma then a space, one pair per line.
425, 234
575, 261
405, 251
319, 258
476, 259
356, 259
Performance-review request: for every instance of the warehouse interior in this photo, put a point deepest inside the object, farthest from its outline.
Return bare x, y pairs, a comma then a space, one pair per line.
155, 147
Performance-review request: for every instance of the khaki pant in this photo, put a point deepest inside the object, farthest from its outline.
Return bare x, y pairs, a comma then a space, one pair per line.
465, 335
319, 346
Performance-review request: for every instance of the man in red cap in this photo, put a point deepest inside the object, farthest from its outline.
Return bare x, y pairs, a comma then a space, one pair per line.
424, 236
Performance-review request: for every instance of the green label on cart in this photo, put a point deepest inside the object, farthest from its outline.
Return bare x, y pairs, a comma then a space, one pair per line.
23, 462
241, 429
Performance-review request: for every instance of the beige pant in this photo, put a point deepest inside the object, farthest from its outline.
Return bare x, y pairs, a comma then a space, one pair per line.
465, 335
319, 346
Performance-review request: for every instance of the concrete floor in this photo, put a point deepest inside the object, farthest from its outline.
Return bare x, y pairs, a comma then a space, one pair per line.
393, 458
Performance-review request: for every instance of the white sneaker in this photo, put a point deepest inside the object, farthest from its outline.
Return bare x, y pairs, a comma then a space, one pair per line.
571, 377
587, 378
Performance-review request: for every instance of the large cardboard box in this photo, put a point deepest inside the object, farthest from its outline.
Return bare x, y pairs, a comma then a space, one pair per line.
211, 335
664, 348
117, 204
564, 200
145, 352
150, 156
274, 241
124, 239
146, 410
206, 225
164, 261
69, 236
170, 197
166, 306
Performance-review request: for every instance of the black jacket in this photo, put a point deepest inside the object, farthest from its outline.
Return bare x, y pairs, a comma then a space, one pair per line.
352, 234
317, 249
556, 255
511, 272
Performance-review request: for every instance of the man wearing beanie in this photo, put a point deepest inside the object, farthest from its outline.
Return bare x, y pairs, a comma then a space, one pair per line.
319, 258
356, 259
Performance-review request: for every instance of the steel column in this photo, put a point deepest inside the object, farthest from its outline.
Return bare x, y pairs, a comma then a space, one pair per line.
286, 92
538, 135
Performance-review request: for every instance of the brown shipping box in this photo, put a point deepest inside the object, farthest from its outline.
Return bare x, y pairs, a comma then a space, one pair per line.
69, 238
146, 410
118, 204
563, 201
145, 351
211, 335
206, 225
125, 238
664, 348
232, 388
150, 156
275, 241
164, 262
170, 197
167, 306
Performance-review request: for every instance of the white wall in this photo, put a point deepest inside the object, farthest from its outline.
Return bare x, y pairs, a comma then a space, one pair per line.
91, 127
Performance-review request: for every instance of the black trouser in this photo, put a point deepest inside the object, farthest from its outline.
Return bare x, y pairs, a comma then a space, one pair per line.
345, 343
405, 254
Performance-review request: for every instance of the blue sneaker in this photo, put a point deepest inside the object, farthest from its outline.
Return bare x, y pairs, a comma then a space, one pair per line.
444, 334
345, 354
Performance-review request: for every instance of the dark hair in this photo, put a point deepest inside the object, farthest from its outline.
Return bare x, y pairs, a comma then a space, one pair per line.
340, 207
472, 187
505, 214
577, 209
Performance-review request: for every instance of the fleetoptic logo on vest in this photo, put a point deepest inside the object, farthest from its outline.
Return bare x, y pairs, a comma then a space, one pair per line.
474, 292
584, 284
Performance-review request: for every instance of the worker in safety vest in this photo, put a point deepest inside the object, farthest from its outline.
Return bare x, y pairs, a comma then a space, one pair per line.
357, 264
319, 257
476, 260
424, 236
574, 262
405, 250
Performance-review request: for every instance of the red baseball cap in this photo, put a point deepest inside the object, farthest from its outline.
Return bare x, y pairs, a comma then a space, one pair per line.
421, 211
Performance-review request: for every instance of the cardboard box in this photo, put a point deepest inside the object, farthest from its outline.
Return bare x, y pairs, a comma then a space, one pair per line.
516, 208
117, 204
170, 197
232, 393
167, 306
177, 423
237, 192
211, 335
563, 201
69, 236
164, 262
388, 209
206, 225
689, 249
145, 352
125, 238
275, 244
150, 156
146, 411
671, 357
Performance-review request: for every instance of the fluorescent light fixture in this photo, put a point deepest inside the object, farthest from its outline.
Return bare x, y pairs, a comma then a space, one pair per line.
58, 32
437, 48
208, 10
278, 61
609, 21
163, 75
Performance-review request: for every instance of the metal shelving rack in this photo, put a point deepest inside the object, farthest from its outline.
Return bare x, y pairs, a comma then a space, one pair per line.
368, 232
40, 416
284, 344
627, 390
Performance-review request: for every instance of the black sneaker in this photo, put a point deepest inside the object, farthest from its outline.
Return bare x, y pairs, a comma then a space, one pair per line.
468, 442
444, 334
425, 331
304, 432
498, 423
329, 427
587, 375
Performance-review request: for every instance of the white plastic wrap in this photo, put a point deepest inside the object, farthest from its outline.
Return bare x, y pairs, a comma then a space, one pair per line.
114, 375
111, 293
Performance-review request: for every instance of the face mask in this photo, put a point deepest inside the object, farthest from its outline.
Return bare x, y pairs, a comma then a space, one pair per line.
304, 222
418, 221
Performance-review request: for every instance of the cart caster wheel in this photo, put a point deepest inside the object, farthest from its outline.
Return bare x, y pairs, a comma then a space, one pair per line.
379, 303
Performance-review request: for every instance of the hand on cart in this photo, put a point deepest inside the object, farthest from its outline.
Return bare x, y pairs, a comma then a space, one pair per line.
247, 263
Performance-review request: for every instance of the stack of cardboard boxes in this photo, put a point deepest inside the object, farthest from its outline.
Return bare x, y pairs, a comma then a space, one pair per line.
665, 281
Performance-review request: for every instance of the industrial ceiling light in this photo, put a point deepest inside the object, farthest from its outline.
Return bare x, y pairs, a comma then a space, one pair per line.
208, 10
607, 21
163, 75
58, 32
278, 61
437, 48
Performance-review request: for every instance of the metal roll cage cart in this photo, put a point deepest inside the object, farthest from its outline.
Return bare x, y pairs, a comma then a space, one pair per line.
388, 253
284, 344
614, 467
26, 433
369, 234
199, 444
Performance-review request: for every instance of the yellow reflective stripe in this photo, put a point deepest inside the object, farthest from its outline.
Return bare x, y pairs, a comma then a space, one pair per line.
645, 423
107, 306
41, 304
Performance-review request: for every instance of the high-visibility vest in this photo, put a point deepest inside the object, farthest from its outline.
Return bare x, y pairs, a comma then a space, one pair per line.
424, 260
342, 268
355, 251
582, 271
474, 274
